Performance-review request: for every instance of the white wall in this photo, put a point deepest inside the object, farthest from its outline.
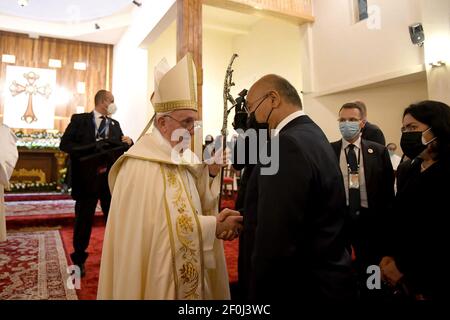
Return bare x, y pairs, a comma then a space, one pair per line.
165, 46
340, 56
217, 51
346, 53
436, 23
130, 89
270, 46
130, 68
385, 107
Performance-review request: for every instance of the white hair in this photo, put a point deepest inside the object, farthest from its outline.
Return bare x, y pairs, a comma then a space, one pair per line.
159, 115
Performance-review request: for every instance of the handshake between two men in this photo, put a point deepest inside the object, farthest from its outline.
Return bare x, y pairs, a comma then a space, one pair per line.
229, 224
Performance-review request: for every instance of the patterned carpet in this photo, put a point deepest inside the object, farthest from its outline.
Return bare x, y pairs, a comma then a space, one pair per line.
36, 196
40, 207
33, 266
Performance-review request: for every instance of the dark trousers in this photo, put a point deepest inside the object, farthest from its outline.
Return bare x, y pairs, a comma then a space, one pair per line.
84, 217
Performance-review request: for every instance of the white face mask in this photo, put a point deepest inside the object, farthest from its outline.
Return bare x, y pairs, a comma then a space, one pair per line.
425, 143
112, 108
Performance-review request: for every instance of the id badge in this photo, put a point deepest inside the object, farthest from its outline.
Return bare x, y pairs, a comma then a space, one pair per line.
353, 180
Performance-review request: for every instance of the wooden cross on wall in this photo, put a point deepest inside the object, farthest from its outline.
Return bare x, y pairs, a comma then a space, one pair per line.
31, 89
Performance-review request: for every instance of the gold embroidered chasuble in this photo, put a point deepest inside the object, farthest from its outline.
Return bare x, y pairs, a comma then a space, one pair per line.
160, 237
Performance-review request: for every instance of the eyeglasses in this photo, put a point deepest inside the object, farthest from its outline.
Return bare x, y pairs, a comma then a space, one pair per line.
187, 124
247, 108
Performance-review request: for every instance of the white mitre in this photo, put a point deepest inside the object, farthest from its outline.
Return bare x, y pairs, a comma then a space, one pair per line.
175, 88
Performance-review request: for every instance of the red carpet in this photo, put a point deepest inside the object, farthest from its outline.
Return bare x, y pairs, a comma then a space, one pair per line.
33, 267
36, 196
39, 207
88, 290
35, 213
51, 211
89, 283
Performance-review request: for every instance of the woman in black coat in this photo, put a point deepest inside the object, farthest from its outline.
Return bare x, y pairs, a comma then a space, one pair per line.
418, 232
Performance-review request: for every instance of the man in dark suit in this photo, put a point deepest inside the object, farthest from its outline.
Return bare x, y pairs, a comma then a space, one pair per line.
297, 213
370, 131
93, 141
369, 185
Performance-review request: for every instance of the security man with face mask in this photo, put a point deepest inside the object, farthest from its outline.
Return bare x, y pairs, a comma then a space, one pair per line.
369, 187
93, 141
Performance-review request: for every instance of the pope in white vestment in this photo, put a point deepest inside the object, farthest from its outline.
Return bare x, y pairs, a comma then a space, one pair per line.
160, 240
8, 159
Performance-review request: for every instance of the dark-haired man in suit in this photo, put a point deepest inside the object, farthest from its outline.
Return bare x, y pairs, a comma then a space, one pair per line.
370, 131
88, 135
369, 186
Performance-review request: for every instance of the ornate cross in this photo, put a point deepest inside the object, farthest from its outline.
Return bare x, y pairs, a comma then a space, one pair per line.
31, 89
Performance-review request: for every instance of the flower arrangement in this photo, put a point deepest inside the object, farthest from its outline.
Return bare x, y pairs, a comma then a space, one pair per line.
38, 140
32, 187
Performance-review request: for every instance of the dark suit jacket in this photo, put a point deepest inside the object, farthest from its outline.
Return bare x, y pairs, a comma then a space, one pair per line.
417, 235
297, 217
80, 143
379, 177
373, 133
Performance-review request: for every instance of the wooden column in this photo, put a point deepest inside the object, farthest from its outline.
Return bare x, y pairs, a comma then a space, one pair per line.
189, 38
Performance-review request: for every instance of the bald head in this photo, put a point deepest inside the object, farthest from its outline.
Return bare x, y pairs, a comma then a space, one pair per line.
284, 88
103, 99
271, 99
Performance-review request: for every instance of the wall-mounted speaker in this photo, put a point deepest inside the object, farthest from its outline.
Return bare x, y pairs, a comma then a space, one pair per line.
416, 33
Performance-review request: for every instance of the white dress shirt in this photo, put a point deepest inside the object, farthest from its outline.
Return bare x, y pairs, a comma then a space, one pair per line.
98, 120
395, 160
286, 120
344, 169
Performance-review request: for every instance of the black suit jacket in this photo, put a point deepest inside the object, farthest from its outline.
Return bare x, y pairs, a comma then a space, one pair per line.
379, 178
417, 235
86, 153
297, 217
373, 133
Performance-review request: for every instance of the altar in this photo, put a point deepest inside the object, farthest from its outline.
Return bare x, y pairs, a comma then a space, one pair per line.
41, 165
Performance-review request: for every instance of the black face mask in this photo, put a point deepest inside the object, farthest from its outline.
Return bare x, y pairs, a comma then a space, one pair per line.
252, 123
411, 143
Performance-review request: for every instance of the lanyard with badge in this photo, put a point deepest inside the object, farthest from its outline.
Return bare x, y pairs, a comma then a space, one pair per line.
353, 175
103, 168
98, 134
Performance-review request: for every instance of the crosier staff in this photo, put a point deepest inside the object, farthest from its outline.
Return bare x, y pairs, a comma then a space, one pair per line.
227, 97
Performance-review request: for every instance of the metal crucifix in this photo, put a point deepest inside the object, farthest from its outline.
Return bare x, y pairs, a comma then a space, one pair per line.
31, 89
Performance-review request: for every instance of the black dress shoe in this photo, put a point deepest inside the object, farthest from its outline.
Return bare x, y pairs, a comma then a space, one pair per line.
82, 269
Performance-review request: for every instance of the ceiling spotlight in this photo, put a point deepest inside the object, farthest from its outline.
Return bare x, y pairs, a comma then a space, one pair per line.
137, 3
97, 26
22, 3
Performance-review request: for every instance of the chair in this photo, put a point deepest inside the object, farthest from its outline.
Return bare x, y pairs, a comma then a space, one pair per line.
229, 176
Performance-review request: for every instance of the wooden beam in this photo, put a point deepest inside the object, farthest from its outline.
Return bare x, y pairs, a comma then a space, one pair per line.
294, 11
189, 39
